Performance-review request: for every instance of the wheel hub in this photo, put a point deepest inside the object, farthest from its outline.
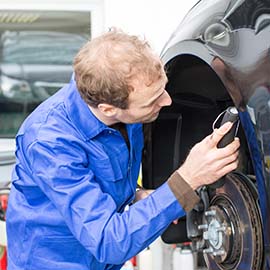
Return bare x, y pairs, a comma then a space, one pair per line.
217, 233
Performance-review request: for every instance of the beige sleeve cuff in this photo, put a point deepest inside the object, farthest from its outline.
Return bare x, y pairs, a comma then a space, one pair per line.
183, 192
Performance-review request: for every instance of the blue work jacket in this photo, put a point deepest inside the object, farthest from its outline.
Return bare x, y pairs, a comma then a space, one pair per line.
72, 180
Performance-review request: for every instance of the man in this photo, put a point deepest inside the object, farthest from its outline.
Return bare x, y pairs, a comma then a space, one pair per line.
78, 158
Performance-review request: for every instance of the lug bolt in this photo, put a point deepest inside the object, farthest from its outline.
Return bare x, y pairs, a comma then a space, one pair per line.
210, 213
219, 253
205, 236
221, 229
203, 227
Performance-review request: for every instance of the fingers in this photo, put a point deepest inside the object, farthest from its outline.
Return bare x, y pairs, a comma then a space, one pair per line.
175, 222
218, 133
206, 162
228, 168
227, 160
230, 148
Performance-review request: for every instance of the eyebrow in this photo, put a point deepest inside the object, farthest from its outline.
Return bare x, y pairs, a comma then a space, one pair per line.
153, 100
156, 98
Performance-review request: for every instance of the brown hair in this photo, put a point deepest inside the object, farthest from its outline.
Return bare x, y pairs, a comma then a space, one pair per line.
106, 65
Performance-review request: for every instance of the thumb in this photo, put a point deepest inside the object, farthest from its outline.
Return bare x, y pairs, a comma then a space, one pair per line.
218, 133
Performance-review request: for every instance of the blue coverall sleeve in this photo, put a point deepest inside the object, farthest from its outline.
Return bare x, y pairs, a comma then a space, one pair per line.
61, 172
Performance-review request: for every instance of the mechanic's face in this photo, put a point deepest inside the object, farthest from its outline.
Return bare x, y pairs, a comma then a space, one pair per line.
145, 102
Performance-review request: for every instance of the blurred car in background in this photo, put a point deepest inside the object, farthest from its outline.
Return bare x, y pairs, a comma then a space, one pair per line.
7, 160
34, 65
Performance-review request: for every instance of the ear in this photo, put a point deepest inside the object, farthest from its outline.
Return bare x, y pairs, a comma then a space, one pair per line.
107, 109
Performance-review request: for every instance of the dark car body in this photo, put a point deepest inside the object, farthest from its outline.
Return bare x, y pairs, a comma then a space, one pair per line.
219, 57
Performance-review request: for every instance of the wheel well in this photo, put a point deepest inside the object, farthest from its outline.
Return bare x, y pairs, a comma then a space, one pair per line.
198, 96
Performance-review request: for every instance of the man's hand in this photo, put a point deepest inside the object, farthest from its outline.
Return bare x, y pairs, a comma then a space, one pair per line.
206, 163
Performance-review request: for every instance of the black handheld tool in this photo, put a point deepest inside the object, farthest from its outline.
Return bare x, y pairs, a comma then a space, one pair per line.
230, 115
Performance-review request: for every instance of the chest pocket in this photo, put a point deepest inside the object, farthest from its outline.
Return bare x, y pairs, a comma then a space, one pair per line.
112, 174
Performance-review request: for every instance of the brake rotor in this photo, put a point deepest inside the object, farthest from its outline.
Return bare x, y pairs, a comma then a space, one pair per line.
232, 228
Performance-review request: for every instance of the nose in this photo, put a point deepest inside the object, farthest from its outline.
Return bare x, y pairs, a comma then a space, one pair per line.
165, 100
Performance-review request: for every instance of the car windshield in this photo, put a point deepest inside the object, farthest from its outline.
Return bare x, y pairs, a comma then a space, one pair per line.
34, 65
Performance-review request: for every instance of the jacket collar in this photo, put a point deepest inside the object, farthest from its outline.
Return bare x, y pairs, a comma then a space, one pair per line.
80, 114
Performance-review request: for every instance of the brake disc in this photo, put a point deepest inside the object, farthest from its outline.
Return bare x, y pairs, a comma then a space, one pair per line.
232, 228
